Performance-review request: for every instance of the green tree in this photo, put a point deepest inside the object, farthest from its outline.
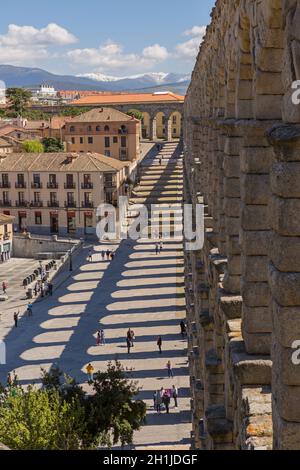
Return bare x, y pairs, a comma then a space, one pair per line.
40, 420
52, 145
121, 414
18, 98
32, 146
136, 114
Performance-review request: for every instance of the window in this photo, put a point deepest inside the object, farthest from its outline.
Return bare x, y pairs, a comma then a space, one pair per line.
20, 179
21, 197
106, 129
70, 199
87, 179
123, 141
5, 179
69, 181
89, 128
174, 131
98, 128
38, 218
87, 199
174, 120
123, 129
73, 141
115, 140
107, 153
36, 179
72, 128
81, 140
163, 120
5, 197
53, 198
52, 179
90, 140
107, 142
37, 197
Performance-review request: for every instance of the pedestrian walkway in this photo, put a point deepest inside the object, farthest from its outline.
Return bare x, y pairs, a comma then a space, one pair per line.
140, 290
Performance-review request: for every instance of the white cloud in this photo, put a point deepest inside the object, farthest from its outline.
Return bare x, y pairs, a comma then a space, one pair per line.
26, 44
53, 34
189, 49
111, 56
155, 52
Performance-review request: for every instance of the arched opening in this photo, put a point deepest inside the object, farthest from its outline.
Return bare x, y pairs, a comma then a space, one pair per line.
176, 124
146, 126
161, 125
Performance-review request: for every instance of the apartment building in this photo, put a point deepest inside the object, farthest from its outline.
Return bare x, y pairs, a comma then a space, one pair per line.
58, 193
6, 237
105, 131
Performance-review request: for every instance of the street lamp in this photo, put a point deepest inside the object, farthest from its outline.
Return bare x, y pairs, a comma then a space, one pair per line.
71, 261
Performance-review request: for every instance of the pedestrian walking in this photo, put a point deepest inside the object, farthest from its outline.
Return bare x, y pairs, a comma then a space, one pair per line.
16, 318
50, 288
102, 337
98, 338
9, 380
182, 328
166, 401
90, 371
158, 402
131, 336
112, 255
159, 344
4, 287
156, 248
90, 256
103, 255
175, 396
161, 247
128, 342
108, 254
35, 290
169, 369
29, 310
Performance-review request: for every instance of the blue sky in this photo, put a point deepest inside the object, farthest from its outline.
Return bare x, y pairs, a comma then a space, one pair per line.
111, 37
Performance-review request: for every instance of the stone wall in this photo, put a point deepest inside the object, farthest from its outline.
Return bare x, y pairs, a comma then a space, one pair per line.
242, 161
33, 246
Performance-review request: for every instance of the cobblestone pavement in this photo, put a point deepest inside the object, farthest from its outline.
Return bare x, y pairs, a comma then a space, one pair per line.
138, 289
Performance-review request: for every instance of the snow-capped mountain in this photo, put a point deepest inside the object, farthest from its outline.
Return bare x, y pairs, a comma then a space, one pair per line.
157, 81
152, 78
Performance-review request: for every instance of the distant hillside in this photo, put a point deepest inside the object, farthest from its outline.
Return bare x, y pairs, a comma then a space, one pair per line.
30, 77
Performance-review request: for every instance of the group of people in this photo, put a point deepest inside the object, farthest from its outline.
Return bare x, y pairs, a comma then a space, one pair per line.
162, 398
105, 255
4, 287
43, 287
100, 338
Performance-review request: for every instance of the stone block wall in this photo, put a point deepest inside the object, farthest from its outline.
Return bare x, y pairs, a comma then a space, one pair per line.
242, 162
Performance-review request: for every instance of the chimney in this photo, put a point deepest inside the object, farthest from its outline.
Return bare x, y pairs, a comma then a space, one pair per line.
71, 157
101, 110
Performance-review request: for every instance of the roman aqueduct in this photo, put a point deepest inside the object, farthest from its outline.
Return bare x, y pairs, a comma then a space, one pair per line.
242, 161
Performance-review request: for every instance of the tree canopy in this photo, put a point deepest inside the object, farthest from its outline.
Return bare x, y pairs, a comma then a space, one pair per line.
136, 114
32, 146
62, 416
18, 99
52, 145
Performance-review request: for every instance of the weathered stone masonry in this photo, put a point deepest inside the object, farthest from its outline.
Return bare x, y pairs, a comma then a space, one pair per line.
242, 161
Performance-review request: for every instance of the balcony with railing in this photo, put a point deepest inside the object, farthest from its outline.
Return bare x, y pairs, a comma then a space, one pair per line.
70, 185
5, 203
37, 204
22, 203
53, 204
87, 205
5, 185
52, 185
21, 185
36, 185
70, 204
87, 185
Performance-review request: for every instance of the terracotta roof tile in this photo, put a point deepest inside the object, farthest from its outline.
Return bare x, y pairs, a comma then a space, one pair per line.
128, 98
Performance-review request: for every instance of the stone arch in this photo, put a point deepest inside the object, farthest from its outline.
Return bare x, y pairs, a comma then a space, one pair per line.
161, 125
146, 125
175, 122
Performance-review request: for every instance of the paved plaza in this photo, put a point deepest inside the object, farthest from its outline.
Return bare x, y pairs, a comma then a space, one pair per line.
138, 289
